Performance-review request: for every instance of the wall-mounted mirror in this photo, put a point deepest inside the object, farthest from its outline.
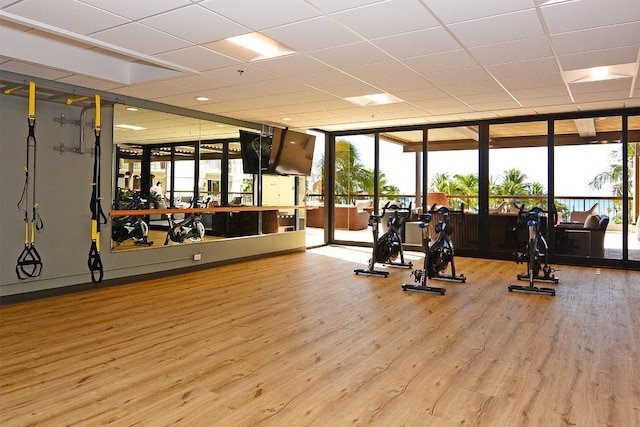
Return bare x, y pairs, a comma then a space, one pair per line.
168, 161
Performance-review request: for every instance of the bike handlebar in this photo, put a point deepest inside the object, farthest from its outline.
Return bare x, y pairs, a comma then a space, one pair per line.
446, 210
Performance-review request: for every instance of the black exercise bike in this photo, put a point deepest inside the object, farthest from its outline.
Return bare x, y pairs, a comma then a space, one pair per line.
441, 251
131, 226
191, 228
388, 247
421, 277
535, 254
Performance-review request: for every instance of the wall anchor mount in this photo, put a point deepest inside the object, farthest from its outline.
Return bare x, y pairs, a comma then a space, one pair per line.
63, 120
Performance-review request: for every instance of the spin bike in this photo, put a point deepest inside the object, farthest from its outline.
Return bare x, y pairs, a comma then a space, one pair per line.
422, 276
131, 226
387, 247
535, 255
191, 228
441, 252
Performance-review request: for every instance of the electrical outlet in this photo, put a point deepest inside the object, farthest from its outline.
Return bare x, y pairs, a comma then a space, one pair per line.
197, 257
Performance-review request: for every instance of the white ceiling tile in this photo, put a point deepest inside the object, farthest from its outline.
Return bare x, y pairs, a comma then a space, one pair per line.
556, 92
494, 106
536, 81
333, 105
292, 65
472, 77
140, 38
516, 112
387, 18
597, 39
329, 6
445, 61
519, 50
188, 100
484, 49
195, 24
466, 10
422, 94
376, 73
593, 97
398, 109
242, 74
484, 98
325, 79
585, 14
163, 88
349, 55
263, 14
623, 55
201, 81
238, 92
309, 95
524, 68
279, 87
312, 34
311, 107
135, 10
555, 106
403, 83
498, 29
198, 58
486, 88
355, 88
418, 43
65, 14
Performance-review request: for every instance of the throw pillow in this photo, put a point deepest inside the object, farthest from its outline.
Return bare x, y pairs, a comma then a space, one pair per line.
592, 222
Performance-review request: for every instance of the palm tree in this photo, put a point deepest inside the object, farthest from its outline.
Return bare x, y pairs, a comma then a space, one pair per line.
443, 182
613, 176
351, 177
467, 185
513, 182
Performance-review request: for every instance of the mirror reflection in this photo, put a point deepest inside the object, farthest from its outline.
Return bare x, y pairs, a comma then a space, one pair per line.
167, 162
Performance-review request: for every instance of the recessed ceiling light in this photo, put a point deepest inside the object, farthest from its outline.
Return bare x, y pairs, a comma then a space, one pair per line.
130, 127
597, 74
201, 98
550, 2
374, 99
132, 109
286, 119
264, 46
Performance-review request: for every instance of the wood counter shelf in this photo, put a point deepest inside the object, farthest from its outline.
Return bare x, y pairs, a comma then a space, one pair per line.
227, 221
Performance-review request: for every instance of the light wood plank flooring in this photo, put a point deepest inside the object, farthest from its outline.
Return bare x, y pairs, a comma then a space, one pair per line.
299, 340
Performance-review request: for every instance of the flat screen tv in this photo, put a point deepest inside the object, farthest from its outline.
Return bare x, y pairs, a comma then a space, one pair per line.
291, 152
255, 150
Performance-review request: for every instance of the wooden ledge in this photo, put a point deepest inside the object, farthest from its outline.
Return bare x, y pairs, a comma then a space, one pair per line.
216, 209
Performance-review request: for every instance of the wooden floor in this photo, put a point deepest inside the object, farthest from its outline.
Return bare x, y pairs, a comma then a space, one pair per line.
299, 340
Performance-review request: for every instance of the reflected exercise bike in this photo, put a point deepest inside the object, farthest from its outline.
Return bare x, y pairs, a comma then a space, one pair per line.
131, 226
190, 228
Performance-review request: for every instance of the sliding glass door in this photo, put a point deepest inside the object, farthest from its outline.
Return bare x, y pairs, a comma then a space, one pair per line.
588, 187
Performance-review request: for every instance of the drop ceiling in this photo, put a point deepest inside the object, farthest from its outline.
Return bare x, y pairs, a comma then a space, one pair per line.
445, 60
